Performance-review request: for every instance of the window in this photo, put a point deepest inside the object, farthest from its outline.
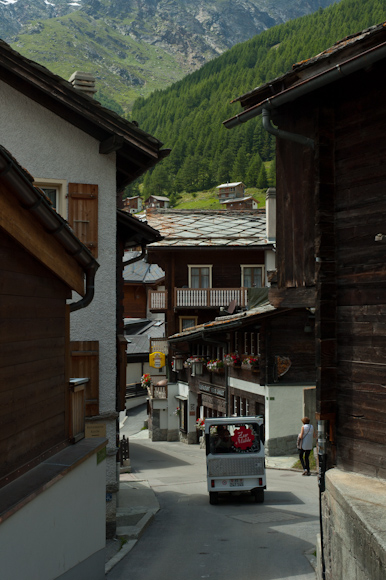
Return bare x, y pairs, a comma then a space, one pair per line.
252, 276
55, 190
200, 276
187, 322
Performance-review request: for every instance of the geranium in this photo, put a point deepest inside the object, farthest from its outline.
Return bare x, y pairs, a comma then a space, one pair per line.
232, 359
194, 359
200, 423
251, 362
213, 365
145, 381
177, 411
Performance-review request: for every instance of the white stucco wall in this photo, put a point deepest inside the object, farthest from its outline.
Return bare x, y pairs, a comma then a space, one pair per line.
133, 372
61, 528
51, 148
283, 406
283, 410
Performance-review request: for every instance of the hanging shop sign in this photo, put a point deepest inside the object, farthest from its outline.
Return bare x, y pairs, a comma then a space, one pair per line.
157, 360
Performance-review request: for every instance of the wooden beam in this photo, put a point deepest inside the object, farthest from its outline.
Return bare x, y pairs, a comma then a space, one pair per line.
21, 225
111, 144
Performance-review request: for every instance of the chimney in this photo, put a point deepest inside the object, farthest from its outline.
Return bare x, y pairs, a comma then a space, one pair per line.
270, 212
84, 82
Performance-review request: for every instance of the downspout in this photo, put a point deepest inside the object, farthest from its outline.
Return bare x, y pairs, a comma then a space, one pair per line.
267, 124
140, 257
90, 290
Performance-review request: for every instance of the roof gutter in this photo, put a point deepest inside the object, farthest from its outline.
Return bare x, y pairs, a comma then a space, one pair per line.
305, 87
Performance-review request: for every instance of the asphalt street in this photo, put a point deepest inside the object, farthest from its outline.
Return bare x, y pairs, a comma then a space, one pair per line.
236, 540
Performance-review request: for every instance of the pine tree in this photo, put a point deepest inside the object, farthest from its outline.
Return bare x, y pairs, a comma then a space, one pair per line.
262, 181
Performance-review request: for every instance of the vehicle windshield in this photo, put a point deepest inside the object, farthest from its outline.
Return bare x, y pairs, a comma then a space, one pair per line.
234, 438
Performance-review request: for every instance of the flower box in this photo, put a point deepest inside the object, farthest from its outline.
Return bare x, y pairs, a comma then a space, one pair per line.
232, 360
251, 363
215, 366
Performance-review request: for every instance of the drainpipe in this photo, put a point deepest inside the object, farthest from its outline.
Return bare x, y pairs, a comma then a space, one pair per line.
267, 124
137, 258
90, 290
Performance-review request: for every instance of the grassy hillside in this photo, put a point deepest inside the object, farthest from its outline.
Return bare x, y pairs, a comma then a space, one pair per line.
209, 199
124, 67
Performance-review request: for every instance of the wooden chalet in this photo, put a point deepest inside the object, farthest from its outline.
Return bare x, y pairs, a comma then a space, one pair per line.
258, 362
157, 201
329, 115
210, 259
133, 204
45, 456
240, 203
139, 279
231, 190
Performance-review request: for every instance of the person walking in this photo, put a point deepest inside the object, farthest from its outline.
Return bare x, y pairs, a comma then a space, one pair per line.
306, 441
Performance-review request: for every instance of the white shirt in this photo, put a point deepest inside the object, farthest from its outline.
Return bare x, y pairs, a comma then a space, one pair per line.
308, 432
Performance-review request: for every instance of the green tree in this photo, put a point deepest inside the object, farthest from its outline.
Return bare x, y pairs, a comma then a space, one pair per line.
253, 170
240, 165
262, 181
224, 171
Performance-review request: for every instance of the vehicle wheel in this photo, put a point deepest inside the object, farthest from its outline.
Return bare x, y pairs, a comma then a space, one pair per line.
258, 494
213, 497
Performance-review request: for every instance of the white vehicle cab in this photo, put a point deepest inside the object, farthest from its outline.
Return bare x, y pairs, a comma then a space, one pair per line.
235, 459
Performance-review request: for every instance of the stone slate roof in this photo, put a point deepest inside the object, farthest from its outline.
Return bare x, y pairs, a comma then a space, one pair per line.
184, 228
141, 271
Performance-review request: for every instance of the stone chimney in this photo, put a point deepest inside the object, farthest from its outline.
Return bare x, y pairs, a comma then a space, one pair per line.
84, 82
270, 212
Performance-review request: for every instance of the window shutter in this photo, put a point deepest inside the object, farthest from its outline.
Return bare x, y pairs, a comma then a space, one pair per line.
83, 214
85, 363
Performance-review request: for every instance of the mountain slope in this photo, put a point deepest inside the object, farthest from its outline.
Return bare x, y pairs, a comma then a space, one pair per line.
188, 116
137, 46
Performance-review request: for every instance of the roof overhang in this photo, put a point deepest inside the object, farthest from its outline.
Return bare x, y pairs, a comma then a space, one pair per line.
134, 232
352, 55
223, 324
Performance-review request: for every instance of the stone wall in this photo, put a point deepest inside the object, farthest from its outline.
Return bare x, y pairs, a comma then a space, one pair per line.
354, 527
281, 446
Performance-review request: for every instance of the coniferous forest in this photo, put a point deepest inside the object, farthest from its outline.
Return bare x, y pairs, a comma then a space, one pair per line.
187, 117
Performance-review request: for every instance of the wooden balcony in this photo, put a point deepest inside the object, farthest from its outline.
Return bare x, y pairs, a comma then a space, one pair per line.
158, 392
158, 300
199, 298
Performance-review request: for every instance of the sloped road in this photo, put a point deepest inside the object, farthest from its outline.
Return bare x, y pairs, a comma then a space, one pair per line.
235, 540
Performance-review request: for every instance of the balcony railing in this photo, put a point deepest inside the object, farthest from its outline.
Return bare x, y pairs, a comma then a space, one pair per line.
157, 392
158, 300
200, 297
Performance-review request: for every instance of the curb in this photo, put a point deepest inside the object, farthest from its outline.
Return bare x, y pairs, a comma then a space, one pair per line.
132, 535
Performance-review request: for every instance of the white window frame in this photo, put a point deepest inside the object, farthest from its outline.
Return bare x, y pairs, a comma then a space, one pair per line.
61, 186
261, 266
190, 266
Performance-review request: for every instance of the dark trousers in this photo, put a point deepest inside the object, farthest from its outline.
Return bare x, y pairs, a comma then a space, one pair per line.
304, 456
